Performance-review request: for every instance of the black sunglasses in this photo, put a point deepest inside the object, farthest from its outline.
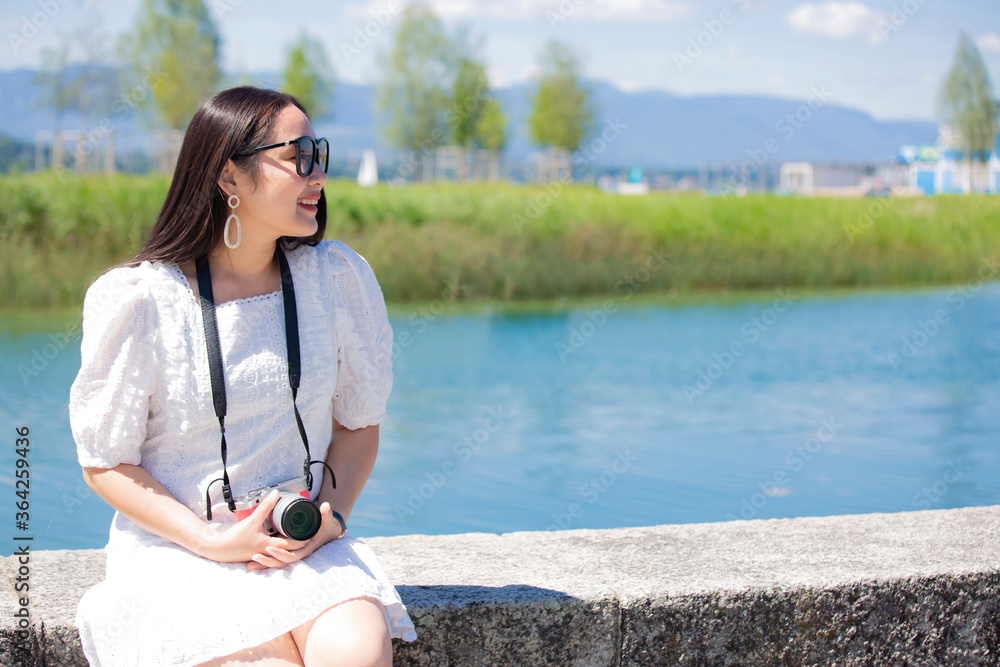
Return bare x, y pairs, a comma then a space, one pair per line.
308, 151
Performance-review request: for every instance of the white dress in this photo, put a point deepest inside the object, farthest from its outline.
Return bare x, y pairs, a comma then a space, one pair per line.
143, 397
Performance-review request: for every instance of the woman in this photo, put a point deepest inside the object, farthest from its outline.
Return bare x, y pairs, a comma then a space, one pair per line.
186, 583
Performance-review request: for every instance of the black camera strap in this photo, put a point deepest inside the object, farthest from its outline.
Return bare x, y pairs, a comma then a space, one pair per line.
207, 300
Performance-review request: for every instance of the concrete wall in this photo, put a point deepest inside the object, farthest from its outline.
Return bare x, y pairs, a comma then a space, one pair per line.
915, 588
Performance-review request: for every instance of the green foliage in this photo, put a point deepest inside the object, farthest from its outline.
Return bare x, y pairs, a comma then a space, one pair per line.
175, 51
416, 77
469, 90
58, 232
561, 116
14, 155
967, 101
308, 75
491, 129
435, 90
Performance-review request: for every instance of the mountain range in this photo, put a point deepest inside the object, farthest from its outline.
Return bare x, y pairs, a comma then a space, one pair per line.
652, 129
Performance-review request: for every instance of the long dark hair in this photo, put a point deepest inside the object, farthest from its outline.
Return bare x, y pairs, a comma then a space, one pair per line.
226, 127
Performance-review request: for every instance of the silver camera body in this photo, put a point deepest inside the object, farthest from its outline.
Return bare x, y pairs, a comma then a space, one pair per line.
295, 515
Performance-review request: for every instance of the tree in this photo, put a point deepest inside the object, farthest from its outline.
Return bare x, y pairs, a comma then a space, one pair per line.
469, 90
175, 49
561, 116
60, 90
86, 87
416, 77
97, 81
967, 103
308, 75
471, 98
491, 133
491, 129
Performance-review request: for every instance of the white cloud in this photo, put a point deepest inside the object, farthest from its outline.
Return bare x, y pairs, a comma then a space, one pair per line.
838, 20
497, 77
628, 85
595, 10
989, 42
638, 10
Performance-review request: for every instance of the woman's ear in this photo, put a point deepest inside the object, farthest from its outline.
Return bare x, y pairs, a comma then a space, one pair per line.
227, 179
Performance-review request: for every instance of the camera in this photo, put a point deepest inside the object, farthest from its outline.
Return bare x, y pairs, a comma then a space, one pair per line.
295, 516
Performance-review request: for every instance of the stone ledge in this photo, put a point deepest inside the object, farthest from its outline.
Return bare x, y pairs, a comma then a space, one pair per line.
878, 589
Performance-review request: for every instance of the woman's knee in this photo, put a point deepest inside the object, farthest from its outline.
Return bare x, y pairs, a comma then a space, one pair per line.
351, 633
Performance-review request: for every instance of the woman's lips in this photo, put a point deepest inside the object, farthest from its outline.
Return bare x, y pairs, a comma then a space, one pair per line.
310, 205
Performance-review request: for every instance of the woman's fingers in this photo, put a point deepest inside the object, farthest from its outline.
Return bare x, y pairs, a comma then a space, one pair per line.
263, 510
273, 557
266, 561
283, 555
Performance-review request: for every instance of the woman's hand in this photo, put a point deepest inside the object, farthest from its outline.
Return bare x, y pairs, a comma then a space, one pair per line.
281, 552
244, 540
137, 495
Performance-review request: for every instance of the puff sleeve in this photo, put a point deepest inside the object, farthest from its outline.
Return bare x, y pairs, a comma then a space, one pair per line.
109, 400
363, 338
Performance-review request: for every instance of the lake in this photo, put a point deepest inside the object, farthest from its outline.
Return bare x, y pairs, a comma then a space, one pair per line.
624, 411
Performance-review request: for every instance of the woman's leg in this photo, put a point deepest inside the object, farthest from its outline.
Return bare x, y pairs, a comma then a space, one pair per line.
279, 652
353, 633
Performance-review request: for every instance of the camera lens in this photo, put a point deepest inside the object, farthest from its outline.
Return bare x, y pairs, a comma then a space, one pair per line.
296, 517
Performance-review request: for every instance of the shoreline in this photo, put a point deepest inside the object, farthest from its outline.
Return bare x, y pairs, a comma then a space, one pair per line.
21, 318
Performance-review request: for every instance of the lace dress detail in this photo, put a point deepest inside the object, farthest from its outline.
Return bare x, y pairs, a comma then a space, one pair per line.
143, 397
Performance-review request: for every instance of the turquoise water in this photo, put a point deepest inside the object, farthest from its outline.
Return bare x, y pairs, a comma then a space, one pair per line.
622, 412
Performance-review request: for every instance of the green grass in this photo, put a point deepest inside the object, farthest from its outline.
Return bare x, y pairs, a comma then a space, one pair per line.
505, 242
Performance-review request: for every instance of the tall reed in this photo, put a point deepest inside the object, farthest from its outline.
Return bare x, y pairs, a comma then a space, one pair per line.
506, 242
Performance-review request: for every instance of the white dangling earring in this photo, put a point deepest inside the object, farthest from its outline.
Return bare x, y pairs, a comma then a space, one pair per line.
233, 216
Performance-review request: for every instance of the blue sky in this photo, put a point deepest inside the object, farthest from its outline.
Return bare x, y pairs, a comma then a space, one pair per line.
885, 57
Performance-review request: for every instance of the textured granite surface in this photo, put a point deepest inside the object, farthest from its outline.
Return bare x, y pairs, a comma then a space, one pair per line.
915, 588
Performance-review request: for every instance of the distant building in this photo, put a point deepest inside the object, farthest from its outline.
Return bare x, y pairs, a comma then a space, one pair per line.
943, 169
634, 184
823, 180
